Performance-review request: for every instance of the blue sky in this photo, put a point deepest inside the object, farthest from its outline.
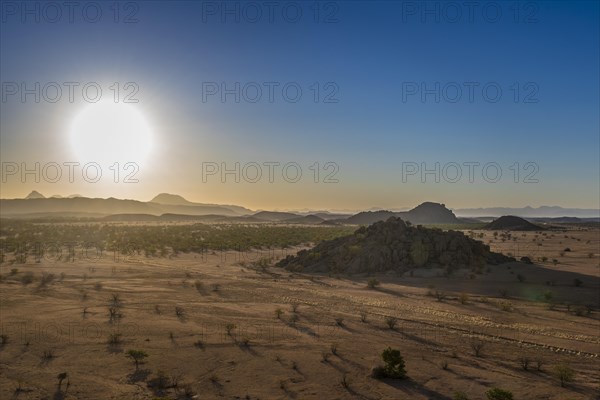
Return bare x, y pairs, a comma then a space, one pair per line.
371, 55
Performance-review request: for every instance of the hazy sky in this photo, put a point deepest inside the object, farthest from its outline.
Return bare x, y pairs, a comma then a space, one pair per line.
387, 89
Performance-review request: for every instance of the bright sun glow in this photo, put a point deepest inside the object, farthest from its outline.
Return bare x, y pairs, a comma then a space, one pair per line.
108, 132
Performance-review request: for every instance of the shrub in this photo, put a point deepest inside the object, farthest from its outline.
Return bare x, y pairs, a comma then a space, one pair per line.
538, 364
114, 314
137, 356
394, 363
229, 328
363, 317
47, 355
464, 298
115, 300
579, 311
460, 396
564, 373
372, 283
114, 339
333, 349
294, 307
439, 295
198, 285
344, 382
524, 361
526, 260
339, 321
506, 306
498, 394
278, 313
477, 347
46, 279
391, 322
27, 278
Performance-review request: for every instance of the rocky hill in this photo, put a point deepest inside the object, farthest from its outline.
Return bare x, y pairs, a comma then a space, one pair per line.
394, 245
425, 213
429, 213
512, 223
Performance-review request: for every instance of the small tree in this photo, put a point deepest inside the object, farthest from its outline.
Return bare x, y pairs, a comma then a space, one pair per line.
498, 394
137, 356
61, 377
394, 363
477, 347
565, 374
391, 322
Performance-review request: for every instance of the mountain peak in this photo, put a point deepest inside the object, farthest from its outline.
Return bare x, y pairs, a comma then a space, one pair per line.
35, 195
170, 199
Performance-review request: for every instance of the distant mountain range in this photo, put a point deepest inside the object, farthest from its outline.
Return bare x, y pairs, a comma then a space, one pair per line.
529, 212
36, 205
172, 207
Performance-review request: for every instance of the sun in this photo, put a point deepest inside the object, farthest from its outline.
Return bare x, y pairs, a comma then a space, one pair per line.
108, 132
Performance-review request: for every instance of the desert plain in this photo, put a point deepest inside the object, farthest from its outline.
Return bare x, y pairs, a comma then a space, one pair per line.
232, 325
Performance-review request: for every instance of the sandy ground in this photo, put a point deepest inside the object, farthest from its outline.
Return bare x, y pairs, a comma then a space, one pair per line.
228, 343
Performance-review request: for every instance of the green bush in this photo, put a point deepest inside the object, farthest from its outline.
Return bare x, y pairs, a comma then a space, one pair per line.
137, 356
498, 394
372, 283
394, 363
564, 373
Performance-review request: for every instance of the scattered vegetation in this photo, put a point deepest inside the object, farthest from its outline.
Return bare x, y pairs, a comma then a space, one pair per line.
137, 356
363, 317
373, 283
477, 346
460, 396
498, 394
229, 328
393, 365
564, 374
391, 322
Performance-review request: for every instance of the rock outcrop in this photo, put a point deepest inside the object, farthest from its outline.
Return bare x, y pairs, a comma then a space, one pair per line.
512, 223
394, 245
